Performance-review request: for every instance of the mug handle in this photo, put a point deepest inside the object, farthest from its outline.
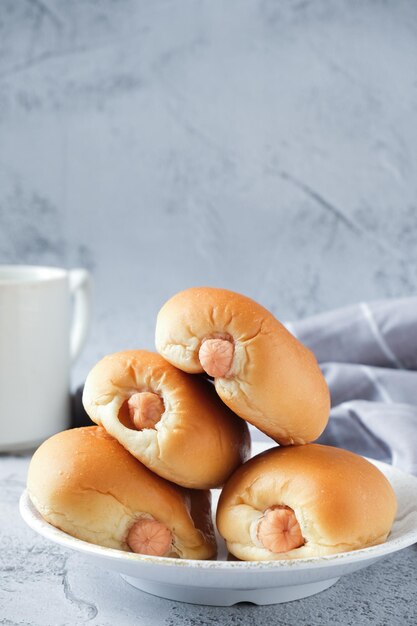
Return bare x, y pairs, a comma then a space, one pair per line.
80, 290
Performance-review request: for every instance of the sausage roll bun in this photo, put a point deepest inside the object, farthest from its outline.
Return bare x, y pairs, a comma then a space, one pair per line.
171, 422
261, 371
85, 483
304, 501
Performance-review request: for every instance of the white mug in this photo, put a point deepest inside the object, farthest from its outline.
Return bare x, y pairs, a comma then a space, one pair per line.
38, 342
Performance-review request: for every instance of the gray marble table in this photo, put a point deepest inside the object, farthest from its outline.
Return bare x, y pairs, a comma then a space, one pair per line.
44, 585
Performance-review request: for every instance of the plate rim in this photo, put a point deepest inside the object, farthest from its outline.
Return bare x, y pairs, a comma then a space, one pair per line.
35, 521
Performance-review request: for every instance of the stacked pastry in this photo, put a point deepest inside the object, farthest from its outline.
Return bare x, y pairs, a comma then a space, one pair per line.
299, 499
166, 434
140, 479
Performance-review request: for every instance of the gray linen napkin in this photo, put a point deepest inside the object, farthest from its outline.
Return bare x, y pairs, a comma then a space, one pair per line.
368, 354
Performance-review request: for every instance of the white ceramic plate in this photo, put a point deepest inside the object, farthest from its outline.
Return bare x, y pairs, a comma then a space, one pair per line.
224, 582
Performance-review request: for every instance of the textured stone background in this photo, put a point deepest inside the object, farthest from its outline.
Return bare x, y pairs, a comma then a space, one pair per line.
264, 146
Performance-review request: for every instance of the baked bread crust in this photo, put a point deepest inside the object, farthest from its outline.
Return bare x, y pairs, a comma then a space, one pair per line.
197, 443
274, 382
85, 483
341, 501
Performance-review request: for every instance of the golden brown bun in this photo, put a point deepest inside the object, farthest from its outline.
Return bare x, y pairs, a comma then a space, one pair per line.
85, 483
275, 382
341, 501
198, 441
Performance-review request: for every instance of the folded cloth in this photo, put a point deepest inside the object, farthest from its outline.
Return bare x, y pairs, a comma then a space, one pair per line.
381, 333
368, 354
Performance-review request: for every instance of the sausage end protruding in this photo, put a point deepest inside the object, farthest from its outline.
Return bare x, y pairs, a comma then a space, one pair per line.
216, 356
279, 531
145, 409
148, 536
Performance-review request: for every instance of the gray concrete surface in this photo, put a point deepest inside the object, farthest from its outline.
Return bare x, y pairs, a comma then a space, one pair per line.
43, 585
